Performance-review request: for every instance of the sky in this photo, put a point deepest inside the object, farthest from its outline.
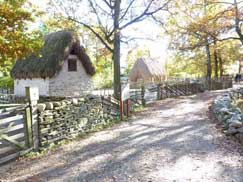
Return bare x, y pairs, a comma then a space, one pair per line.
144, 29
157, 47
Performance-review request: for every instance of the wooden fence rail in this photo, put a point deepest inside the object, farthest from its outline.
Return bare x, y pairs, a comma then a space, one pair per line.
163, 91
111, 104
175, 90
14, 132
142, 94
5, 91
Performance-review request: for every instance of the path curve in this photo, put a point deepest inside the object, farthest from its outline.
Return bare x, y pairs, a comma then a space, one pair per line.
172, 140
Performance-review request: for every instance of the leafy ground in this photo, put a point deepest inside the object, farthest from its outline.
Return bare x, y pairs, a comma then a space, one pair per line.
173, 140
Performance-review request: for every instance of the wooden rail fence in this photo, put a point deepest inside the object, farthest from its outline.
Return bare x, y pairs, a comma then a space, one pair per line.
180, 89
5, 98
147, 93
5, 91
15, 131
162, 91
111, 104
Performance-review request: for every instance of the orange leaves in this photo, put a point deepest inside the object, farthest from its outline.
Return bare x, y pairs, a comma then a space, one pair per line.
15, 42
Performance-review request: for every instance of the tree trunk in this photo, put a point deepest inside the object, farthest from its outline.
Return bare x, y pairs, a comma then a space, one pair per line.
209, 67
216, 68
237, 22
221, 70
116, 52
207, 47
240, 66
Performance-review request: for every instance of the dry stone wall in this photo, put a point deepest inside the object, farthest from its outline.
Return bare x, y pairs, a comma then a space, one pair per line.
69, 118
229, 115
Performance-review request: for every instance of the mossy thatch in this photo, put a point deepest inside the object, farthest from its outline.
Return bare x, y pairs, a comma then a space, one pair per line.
48, 62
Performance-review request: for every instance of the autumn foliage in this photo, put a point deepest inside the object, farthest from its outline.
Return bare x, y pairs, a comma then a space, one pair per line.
16, 40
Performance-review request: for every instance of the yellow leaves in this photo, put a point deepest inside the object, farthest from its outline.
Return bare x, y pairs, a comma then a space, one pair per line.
14, 41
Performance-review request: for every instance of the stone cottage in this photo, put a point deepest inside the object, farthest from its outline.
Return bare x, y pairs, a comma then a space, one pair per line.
61, 68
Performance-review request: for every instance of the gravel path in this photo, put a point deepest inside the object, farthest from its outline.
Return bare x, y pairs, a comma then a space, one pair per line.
172, 140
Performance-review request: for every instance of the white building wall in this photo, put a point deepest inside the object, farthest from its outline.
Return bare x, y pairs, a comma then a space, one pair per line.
42, 84
67, 83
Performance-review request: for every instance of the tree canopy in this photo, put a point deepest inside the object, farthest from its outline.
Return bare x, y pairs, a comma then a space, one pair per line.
16, 40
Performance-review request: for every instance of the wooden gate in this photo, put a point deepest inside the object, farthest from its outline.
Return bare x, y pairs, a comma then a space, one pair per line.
15, 131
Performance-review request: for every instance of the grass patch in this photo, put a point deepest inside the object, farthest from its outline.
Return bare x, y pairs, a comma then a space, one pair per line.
138, 108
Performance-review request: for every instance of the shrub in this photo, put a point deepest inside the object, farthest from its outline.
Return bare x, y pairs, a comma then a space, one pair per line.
6, 82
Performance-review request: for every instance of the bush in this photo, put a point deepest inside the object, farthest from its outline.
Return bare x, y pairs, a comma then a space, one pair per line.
103, 81
6, 82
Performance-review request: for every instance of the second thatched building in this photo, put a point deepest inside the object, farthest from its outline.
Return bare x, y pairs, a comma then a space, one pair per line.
147, 70
61, 68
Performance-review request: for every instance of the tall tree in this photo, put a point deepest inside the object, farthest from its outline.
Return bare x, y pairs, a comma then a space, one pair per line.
238, 14
200, 27
205, 26
231, 16
106, 19
207, 48
15, 40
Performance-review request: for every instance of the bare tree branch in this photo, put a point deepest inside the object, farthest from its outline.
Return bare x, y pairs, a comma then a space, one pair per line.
103, 10
108, 4
138, 18
129, 39
145, 13
228, 38
94, 32
127, 9
102, 28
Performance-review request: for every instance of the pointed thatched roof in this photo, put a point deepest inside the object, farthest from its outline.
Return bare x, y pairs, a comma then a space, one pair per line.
147, 70
48, 62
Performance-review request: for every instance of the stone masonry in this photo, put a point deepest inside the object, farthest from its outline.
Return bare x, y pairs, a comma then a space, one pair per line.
71, 83
69, 118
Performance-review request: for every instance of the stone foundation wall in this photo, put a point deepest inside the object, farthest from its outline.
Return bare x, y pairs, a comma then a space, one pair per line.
69, 118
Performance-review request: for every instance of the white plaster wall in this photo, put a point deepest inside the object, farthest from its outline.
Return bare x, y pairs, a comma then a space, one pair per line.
67, 83
42, 84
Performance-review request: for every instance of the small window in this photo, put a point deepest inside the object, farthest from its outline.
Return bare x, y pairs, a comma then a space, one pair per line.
72, 65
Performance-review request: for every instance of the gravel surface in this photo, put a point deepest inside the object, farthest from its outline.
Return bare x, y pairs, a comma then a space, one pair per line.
172, 140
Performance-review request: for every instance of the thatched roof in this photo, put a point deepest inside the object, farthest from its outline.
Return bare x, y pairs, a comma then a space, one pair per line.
48, 62
147, 70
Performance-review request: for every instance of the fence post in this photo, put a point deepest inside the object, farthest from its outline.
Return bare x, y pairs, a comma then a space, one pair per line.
158, 92
143, 95
162, 91
33, 95
28, 129
128, 107
166, 91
